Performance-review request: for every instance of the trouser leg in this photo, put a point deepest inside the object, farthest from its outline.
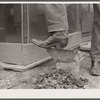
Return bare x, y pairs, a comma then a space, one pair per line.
57, 24
95, 43
56, 17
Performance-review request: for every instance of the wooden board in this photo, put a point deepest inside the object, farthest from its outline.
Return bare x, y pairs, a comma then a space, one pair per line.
11, 53
16, 53
33, 54
22, 67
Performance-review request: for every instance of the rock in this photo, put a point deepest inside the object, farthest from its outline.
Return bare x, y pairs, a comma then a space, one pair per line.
60, 79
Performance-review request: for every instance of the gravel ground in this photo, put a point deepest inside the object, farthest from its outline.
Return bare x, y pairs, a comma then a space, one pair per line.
10, 79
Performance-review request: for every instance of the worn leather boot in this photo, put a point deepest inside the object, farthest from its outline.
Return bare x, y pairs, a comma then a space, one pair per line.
95, 68
57, 40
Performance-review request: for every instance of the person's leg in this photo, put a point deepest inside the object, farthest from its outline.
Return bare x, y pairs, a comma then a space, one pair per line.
56, 17
57, 24
95, 43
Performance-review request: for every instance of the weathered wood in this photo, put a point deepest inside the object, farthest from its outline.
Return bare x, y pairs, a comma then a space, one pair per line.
32, 53
24, 16
21, 54
11, 53
22, 67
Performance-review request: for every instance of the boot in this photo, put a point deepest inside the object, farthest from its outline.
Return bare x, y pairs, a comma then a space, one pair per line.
95, 68
56, 40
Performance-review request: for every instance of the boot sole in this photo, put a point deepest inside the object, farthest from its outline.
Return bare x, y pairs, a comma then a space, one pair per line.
50, 46
93, 73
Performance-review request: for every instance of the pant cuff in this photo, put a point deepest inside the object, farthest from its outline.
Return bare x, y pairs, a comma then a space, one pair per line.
58, 27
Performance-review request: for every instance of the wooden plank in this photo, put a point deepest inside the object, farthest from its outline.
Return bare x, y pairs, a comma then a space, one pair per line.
33, 53
22, 67
11, 53
24, 22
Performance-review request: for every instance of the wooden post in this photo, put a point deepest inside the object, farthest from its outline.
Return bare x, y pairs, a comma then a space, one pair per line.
28, 24
25, 23
22, 33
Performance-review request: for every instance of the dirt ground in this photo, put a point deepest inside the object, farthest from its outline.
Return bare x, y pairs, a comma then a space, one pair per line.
10, 79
